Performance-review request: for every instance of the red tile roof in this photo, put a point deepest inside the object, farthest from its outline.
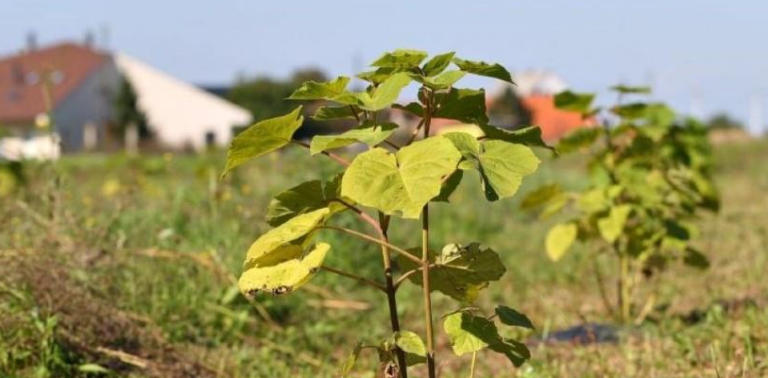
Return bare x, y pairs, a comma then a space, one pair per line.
21, 77
554, 122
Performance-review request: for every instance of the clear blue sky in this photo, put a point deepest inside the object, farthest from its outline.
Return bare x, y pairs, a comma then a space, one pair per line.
716, 51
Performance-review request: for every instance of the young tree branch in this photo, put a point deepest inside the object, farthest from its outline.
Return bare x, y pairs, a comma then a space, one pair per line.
355, 277
372, 239
331, 155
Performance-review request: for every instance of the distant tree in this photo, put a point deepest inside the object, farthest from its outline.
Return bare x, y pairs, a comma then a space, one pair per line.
265, 97
127, 111
722, 121
508, 111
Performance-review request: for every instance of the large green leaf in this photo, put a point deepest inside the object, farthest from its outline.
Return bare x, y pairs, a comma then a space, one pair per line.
284, 276
511, 317
368, 133
502, 165
460, 272
312, 90
611, 226
400, 183
493, 70
469, 333
384, 94
262, 138
449, 186
529, 135
274, 241
437, 64
465, 105
303, 198
559, 240
575, 102
400, 58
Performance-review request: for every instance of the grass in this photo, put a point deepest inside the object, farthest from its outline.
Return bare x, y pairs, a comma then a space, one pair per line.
103, 255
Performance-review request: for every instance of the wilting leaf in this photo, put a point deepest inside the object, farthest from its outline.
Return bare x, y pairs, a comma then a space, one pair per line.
403, 182
368, 134
303, 198
460, 272
263, 138
284, 276
611, 227
559, 240
312, 90
493, 70
400, 58
437, 64
349, 363
512, 317
283, 235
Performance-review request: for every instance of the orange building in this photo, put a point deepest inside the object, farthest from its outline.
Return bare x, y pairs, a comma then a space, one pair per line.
554, 122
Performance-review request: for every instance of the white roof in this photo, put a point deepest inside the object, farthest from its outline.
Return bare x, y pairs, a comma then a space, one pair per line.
180, 114
536, 82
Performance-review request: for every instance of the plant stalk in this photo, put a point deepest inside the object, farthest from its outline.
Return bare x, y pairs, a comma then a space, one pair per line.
391, 290
355, 277
426, 291
624, 290
429, 103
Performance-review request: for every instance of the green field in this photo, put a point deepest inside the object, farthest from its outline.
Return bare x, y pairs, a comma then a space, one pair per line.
118, 266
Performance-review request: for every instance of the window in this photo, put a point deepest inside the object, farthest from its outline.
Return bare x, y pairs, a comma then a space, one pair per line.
210, 139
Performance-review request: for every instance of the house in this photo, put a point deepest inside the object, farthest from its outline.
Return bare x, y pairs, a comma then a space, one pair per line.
179, 114
77, 85
536, 89
73, 83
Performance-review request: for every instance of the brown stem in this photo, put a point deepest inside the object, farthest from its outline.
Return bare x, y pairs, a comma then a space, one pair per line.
391, 290
425, 259
601, 289
331, 155
426, 291
409, 273
355, 277
372, 239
